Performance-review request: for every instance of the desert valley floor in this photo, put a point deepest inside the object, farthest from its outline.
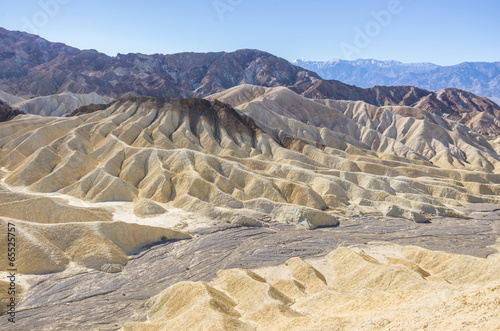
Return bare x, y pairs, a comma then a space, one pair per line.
365, 286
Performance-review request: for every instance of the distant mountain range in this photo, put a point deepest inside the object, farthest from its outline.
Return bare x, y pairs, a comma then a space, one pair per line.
31, 66
480, 78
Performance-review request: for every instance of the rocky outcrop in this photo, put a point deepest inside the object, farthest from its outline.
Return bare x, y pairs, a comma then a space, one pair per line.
7, 113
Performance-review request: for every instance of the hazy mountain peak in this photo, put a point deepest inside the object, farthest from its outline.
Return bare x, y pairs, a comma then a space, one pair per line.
480, 78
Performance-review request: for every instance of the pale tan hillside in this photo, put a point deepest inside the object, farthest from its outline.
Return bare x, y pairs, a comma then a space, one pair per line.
403, 131
205, 157
51, 234
9, 98
45, 210
368, 287
496, 144
59, 104
104, 246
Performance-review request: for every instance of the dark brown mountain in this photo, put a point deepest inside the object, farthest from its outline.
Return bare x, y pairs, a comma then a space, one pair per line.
378, 95
30, 65
476, 112
458, 102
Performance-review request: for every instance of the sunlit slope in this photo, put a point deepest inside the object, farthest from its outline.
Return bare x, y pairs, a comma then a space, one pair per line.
404, 131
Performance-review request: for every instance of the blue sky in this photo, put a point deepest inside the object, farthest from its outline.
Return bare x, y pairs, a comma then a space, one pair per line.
439, 31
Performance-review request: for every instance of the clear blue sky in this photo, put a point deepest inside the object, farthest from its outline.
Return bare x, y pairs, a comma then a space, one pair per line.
440, 31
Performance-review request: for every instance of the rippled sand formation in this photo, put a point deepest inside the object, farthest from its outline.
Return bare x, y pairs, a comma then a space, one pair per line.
368, 287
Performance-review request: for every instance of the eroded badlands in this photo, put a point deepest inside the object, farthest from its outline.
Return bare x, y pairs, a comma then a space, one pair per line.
93, 195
